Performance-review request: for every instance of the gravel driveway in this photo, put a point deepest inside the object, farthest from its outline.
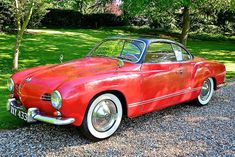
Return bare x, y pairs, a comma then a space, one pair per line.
183, 130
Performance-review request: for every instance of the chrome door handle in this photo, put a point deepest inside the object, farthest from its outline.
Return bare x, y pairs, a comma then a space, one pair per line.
180, 71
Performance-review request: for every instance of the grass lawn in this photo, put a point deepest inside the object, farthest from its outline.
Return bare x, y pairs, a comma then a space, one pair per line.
45, 46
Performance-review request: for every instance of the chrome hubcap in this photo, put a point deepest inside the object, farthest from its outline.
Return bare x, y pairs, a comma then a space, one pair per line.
104, 115
206, 90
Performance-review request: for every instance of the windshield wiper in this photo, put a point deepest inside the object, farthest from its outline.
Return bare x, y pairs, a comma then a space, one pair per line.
120, 57
101, 55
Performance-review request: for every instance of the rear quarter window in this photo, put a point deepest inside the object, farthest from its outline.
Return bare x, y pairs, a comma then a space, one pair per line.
160, 52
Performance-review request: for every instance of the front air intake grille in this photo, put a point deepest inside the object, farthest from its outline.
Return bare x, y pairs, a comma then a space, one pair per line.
46, 97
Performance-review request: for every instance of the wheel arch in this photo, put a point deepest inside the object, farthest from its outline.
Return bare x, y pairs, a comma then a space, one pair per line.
213, 78
215, 82
117, 93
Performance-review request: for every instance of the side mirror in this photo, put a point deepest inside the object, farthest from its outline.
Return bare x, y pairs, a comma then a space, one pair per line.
120, 63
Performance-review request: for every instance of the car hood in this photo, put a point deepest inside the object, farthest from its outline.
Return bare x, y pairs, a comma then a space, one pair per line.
45, 80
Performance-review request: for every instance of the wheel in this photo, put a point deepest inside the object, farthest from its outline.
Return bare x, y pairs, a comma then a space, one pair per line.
103, 117
206, 92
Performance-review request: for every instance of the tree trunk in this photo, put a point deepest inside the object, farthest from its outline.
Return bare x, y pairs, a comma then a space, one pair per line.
186, 26
16, 53
18, 39
17, 50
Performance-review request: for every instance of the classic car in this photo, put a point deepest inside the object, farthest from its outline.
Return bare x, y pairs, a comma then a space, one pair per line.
121, 76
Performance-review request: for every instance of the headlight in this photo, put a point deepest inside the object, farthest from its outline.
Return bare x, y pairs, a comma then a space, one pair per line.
10, 85
56, 100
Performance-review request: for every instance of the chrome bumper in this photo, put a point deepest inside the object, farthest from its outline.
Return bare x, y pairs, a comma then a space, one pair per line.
33, 115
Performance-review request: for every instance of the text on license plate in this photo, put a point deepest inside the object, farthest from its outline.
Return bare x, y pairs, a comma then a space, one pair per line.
18, 113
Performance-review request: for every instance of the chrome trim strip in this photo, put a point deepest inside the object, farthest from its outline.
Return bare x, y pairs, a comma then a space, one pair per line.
46, 97
184, 91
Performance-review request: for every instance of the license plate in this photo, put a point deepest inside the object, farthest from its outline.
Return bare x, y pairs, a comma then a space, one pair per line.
18, 112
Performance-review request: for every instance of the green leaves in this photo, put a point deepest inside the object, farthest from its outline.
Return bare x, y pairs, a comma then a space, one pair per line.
138, 7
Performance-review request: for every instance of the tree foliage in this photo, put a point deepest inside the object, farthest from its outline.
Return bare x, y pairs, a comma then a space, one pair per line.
6, 16
23, 11
83, 6
166, 10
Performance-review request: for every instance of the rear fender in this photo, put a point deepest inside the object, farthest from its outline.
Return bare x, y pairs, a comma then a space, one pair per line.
200, 74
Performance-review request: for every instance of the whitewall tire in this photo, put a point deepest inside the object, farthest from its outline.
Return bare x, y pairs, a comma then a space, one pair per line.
103, 117
206, 92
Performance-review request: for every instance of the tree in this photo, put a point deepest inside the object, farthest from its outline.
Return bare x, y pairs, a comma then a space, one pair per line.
23, 13
186, 7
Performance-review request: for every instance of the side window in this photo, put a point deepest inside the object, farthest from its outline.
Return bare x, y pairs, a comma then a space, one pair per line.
180, 53
186, 56
160, 52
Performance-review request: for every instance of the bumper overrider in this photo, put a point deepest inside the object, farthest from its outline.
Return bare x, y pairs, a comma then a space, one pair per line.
33, 114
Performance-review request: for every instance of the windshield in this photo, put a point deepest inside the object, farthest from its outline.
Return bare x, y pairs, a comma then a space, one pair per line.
125, 49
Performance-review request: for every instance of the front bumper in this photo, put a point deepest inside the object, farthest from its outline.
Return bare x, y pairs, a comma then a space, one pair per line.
33, 114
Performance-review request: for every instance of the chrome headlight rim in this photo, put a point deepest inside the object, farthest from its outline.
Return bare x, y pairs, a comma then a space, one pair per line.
10, 85
56, 99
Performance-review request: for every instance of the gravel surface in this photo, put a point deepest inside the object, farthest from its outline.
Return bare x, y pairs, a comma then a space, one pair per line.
182, 130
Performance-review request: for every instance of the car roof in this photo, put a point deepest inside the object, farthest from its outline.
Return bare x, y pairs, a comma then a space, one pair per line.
147, 39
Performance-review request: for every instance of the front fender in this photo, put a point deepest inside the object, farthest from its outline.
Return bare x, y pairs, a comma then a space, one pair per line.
77, 94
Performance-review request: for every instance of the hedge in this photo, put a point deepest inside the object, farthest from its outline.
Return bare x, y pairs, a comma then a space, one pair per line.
56, 18
6, 17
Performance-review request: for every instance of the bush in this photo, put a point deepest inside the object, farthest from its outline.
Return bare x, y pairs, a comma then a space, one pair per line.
40, 10
102, 20
139, 21
6, 17
163, 22
57, 18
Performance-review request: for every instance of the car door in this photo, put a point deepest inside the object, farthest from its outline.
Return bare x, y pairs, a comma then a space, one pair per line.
162, 80
184, 59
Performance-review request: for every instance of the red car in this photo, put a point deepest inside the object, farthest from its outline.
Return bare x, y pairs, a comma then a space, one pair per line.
120, 76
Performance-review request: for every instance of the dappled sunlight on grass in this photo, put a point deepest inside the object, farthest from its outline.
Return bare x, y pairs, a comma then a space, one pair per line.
4, 55
47, 31
3, 88
31, 61
230, 74
85, 33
